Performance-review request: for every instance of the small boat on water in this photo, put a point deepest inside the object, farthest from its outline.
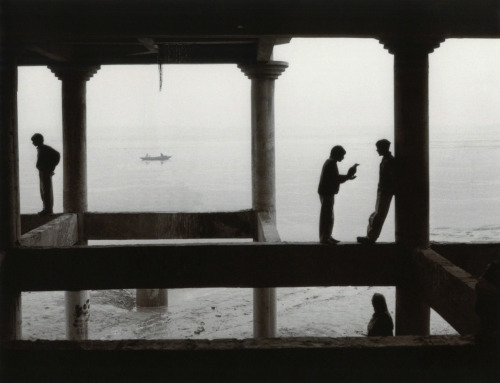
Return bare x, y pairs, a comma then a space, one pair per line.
161, 157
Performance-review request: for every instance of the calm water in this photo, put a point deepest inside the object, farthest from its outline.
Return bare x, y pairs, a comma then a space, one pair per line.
214, 175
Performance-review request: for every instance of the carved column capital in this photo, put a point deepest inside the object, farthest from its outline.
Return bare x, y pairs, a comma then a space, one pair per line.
263, 70
410, 45
74, 72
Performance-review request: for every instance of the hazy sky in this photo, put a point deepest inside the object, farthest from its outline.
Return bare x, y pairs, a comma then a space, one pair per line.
332, 87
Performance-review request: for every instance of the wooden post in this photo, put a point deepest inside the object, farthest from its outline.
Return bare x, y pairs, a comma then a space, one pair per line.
10, 219
411, 124
263, 76
74, 109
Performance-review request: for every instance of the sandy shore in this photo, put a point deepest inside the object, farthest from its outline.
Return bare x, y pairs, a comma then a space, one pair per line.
213, 313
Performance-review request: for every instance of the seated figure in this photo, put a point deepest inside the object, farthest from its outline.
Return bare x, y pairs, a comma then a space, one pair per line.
381, 323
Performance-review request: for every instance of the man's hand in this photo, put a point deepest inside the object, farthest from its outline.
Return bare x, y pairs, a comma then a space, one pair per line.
352, 171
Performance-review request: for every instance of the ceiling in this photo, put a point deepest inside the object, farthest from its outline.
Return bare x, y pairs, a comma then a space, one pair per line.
46, 32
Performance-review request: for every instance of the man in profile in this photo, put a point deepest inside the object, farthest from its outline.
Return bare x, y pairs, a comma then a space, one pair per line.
385, 191
47, 160
329, 185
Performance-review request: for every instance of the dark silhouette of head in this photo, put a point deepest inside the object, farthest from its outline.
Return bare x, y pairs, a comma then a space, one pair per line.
383, 146
492, 273
488, 302
379, 304
37, 139
337, 153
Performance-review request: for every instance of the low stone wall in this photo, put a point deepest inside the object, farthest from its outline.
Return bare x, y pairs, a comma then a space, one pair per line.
60, 230
169, 225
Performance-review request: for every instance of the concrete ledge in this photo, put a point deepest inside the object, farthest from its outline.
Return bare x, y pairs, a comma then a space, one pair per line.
236, 224
32, 221
398, 359
202, 265
59, 231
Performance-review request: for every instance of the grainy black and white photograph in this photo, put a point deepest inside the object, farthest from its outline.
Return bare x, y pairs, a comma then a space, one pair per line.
250, 191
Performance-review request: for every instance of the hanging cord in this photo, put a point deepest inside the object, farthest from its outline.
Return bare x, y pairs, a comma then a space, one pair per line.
160, 62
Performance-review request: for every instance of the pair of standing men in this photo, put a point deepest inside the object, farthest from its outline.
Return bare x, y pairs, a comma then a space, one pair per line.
47, 160
329, 185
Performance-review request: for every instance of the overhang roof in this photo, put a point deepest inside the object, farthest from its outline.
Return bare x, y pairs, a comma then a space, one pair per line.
217, 31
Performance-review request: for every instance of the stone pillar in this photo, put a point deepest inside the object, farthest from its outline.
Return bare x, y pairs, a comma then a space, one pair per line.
10, 219
263, 76
411, 124
74, 110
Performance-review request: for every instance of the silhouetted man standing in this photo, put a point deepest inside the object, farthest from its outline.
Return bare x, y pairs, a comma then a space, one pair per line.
385, 191
47, 160
329, 185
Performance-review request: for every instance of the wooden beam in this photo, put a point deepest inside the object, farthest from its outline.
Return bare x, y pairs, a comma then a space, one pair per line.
53, 53
169, 225
447, 288
391, 359
58, 20
131, 53
61, 231
472, 257
202, 265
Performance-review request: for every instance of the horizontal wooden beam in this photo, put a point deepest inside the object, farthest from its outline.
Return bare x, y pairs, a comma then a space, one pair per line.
36, 21
202, 265
60, 231
118, 226
391, 359
133, 54
447, 288
472, 257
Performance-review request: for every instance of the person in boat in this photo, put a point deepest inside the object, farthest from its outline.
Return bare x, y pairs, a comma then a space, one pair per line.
329, 184
381, 322
385, 192
47, 160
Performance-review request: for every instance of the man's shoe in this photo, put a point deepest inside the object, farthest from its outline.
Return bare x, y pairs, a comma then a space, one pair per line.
330, 241
365, 241
45, 212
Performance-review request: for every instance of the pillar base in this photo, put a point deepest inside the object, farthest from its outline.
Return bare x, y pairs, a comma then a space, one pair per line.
151, 297
412, 313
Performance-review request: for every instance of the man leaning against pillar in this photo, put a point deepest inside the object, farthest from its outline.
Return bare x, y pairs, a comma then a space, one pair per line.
385, 192
47, 160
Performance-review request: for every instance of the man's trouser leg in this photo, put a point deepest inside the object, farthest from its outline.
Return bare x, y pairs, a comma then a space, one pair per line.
377, 219
46, 191
326, 217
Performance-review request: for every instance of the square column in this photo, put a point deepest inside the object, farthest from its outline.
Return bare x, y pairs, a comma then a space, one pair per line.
411, 124
10, 219
263, 76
